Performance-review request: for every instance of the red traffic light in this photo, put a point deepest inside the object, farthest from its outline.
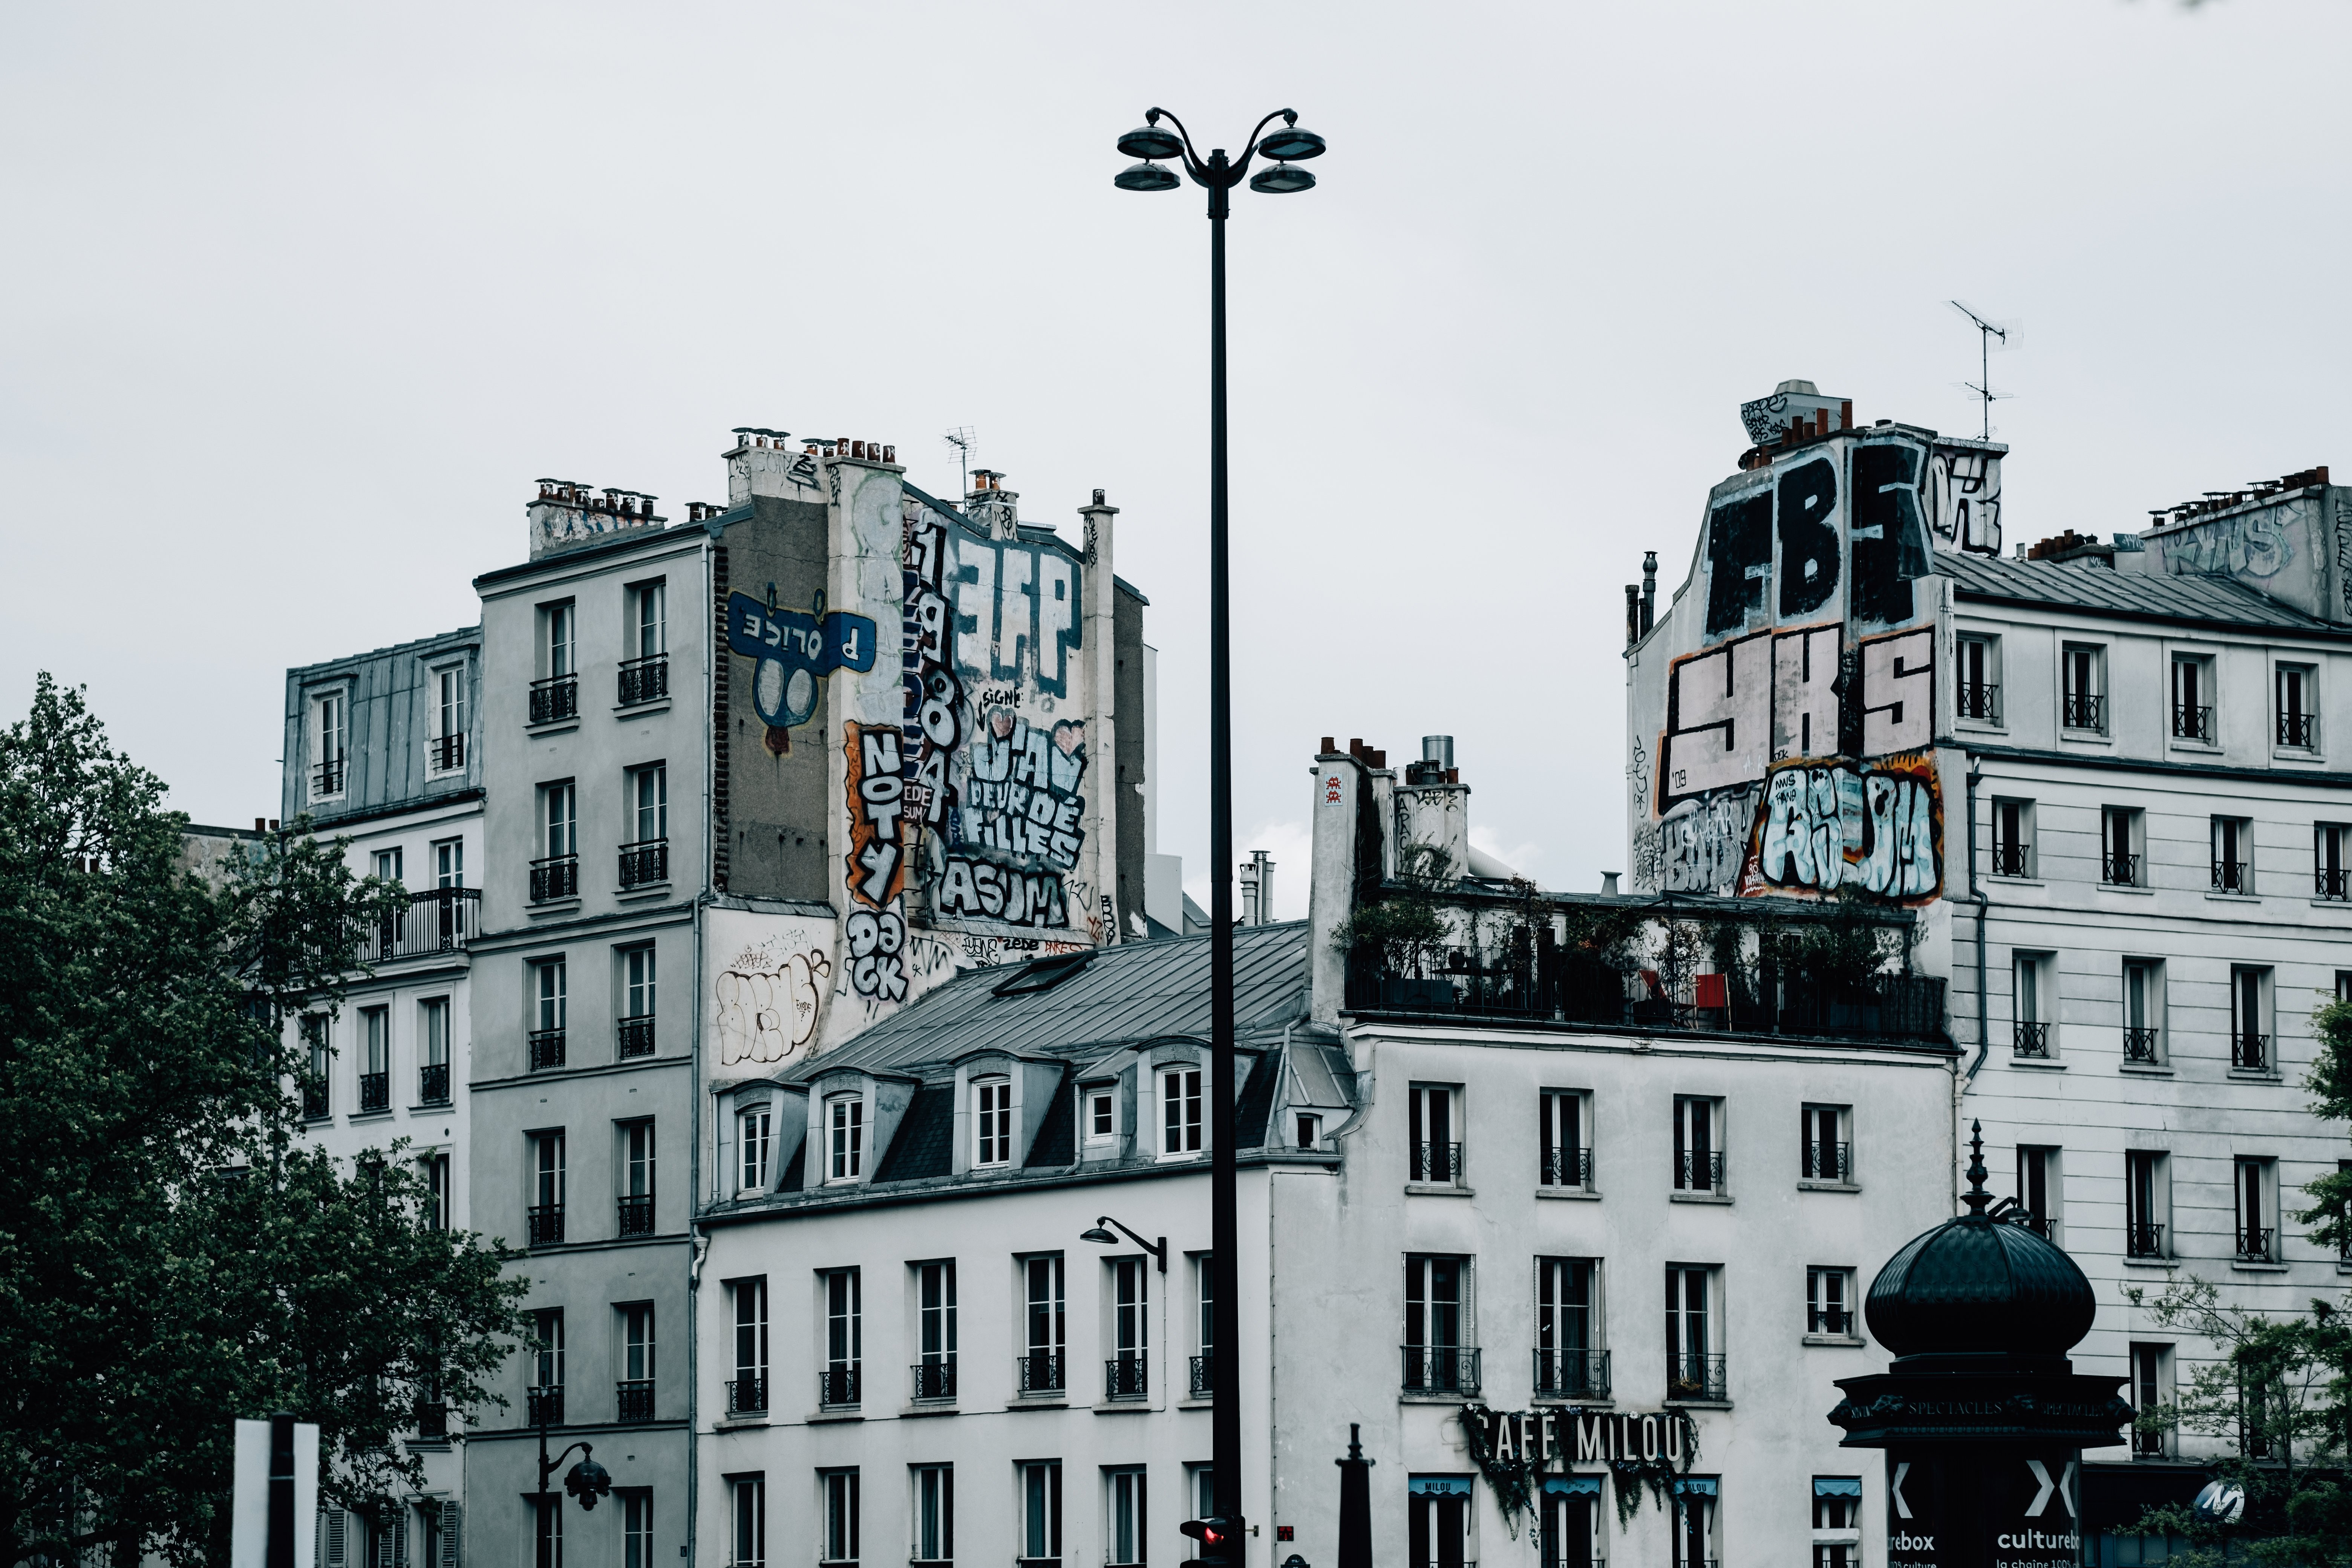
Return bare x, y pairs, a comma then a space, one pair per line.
1215, 1534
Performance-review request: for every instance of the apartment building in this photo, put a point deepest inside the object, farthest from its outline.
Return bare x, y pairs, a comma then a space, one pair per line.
384, 747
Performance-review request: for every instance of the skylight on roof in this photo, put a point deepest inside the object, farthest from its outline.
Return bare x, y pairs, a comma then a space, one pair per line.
1042, 975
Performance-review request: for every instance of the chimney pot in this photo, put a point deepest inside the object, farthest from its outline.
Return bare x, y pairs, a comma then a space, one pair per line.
1609, 884
1327, 747
1453, 775
256, 825
273, 825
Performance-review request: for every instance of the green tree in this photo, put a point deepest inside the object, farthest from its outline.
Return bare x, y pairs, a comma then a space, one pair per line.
172, 1256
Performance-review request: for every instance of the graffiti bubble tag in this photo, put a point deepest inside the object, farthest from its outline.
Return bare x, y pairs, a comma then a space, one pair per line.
1704, 842
2256, 546
1876, 828
768, 1004
876, 789
982, 887
795, 649
1022, 797
877, 964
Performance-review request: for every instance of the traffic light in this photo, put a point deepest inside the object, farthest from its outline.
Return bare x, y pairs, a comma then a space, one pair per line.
1220, 1540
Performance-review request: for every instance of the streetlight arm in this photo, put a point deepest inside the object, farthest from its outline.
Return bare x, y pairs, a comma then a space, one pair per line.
1159, 1251
1196, 168
548, 1467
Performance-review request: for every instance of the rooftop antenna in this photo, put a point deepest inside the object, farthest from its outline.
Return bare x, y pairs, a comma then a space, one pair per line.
961, 438
1982, 387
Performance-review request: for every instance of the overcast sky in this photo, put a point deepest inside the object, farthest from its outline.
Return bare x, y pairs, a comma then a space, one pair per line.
296, 303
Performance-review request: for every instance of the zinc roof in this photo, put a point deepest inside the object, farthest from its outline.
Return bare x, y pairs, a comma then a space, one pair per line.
2139, 595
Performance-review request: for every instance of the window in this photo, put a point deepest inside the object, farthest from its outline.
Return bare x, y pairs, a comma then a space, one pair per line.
844, 1336
1179, 1112
934, 1514
1042, 1365
935, 1307
645, 665
1564, 1150
388, 864
2331, 852
756, 1126
551, 1533
2257, 1232
1698, 1144
1825, 1148
556, 874
637, 1389
637, 1178
839, 1549
1570, 1362
2082, 672
559, 624
1570, 1521
445, 749
2143, 1012
2298, 720
652, 632
991, 1122
2150, 1367
1435, 1142
2146, 1199
1438, 1522
2012, 838
747, 1394
645, 858
547, 1188
750, 1543
1979, 688
2030, 999
1041, 1514
330, 717
636, 1036
433, 1050
1123, 1517
2192, 698
2234, 854
636, 1530
2119, 841
436, 1191
1696, 1520
1438, 1350
1829, 1303
2039, 1190
553, 1014
1837, 1521
449, 863
547, 1370
1307, 1130
375, 1075
2249, 1029
1130, 1298
1201, 1483
314, 1027
1204, 1324
845, 1116
1693, 1368
1101, 1104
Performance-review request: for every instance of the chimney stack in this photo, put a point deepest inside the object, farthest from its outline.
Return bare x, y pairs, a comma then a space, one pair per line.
1649, 589
568, 514
1633, 614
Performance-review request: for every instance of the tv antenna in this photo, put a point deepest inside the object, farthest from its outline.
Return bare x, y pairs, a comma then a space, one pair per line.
961, 438
1982, 386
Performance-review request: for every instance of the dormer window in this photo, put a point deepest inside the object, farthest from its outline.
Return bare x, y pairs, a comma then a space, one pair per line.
758, 1125
991, 1122
845, 1125
1098, 1109
1180, 1107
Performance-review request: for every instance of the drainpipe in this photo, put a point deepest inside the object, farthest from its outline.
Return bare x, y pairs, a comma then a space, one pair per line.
1976, 897
698, 1239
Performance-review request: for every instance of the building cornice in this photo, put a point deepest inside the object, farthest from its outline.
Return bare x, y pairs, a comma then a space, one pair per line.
2217, 772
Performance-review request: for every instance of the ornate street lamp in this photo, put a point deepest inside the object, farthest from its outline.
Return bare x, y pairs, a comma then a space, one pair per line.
586, 1481
1284, 148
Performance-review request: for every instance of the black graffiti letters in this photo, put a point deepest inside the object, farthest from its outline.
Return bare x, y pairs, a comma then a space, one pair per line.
1889, 530
1809, 540
982, 887
1739, 559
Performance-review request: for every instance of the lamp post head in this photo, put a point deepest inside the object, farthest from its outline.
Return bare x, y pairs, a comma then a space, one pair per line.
1291, 144
1150, 142
1282, 179
587, 1481
1100, 1235
1146, 177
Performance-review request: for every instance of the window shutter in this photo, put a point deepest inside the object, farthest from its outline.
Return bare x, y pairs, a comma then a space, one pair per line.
450, 1556
334, 1538
399, 1541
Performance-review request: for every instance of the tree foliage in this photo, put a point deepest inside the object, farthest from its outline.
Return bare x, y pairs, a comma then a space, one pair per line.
170, 1258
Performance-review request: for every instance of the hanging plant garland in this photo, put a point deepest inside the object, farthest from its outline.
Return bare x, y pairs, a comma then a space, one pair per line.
1503, 1459
1513, 1459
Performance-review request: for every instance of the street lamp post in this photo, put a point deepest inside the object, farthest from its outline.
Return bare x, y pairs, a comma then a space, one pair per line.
586, 1480
1284, 148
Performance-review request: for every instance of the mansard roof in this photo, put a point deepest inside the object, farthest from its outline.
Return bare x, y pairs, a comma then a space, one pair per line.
2208, 601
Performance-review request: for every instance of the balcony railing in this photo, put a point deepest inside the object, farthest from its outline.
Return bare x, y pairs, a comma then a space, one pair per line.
438, 920
636, 1037
1040, 1373
1204, 1372
2011, 857
314, 1100
1828, 1161
447, 752
1436, 1163
432, 1084
1981, 699
2140, 1046
747, 1397
1828, 1319
432, 1419
1126, 1378
935, 1378
638, 1215
1695, 1376
557, 697
557, 877
2083, 711
645, 679
837, 1385
2253, 1243
1572, 1374
1699, 1171
1566, 1168
2119, 871
545, 1223
2191, 723
2335, 884
2249, 1052
2233, 877
375, 1090
328, 777
2033, 1041
634, 1400
2296, 729
546, 1050
645, 861
1441, 1369
545, 1406
2143, 1239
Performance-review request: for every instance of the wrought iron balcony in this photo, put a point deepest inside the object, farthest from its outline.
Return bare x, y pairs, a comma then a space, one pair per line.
636, 1037
1695, 1376
1441, 1369
328, 777
1040, 1373
934, 1377
447, 752
2012, 858
2253, 1243
747, 1397
436, 921
375, 1090
2119, 871
557, 697
1697, 1171
1828, 1161
314, 1100
1436, 1163
2332, 884
837, 1385
2248, 1052
545, 1406
638, 1215
1126, 1378
2031, 1040
1830, 1321
634, 1400
432, 1084
546, 1050
2193, 723
1566, 1168
1981, 699
2143, 1239
544, 1223
2084, 712
432, 1419
2296, 729
2140, 1046
1204, 1371
645, 679
2233, 877
1572, 1374
645, 861
557, 877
